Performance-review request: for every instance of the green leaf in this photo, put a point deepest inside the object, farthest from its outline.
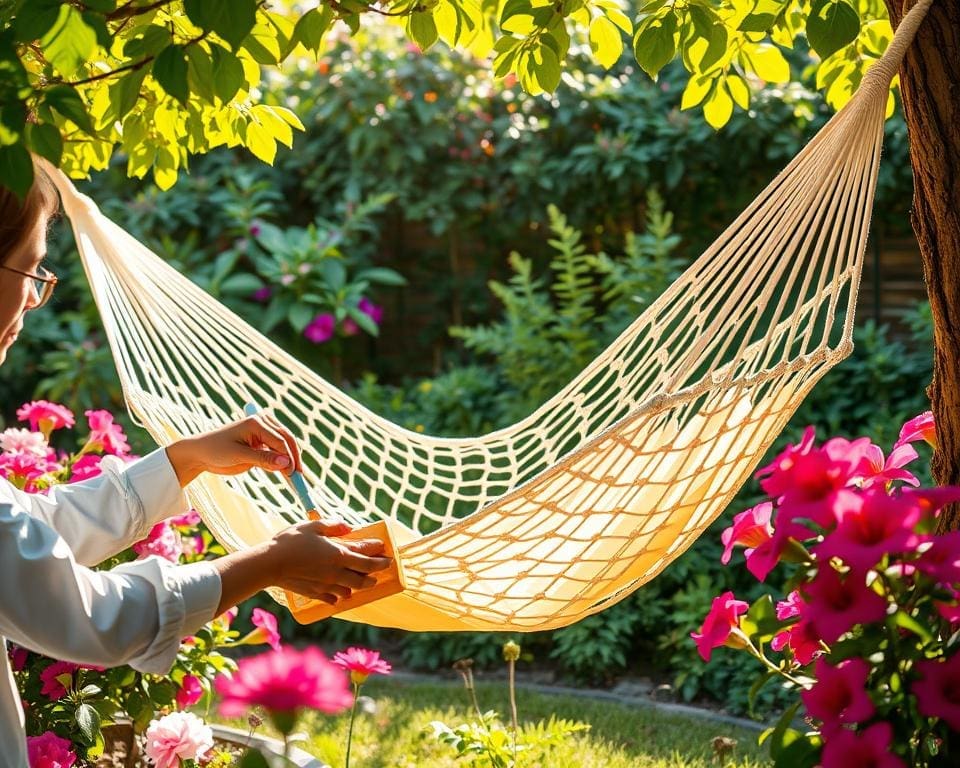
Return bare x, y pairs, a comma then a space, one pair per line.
422, 29
45, 140
88, 721
334, 273
68, 103
125, 92
716, 47
170, 69
35, 19
200, 73
231, 19
299, 316
364, 321
545, 65
904, 620
16, 169
382, 276
312, 26
779, 735
69, 42
605, 41
227, 73
768, 63
147, 41
252, 758
654, 44
832, 25
241, 283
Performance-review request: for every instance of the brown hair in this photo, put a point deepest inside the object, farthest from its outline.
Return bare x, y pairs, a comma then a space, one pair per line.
19, 217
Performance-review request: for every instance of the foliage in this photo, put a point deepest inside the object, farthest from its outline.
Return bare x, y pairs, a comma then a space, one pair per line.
163, 81
597, 648
868, 630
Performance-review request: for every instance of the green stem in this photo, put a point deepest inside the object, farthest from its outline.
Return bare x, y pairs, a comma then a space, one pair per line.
353, 716
757, 654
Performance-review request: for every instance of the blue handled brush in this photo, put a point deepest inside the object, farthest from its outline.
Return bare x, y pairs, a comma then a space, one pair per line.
296, 479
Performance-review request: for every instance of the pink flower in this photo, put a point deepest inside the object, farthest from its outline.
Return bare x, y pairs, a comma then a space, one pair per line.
50, 751
882, 471
190, 691
867, 749
321, 328
24, 441
802, 639
85, 467
941, 561
52, 688
45, 416
808, 480
225, 619
349, 327
938, 689
919, 428
839, 696
18, 657
719, 623
835, 605
266, 629
175, 737
371, 310
877, 525
27, 468
189, 519
787, 609
284, 681
105, 436
750, 529
262, 294
163, 541
361, 663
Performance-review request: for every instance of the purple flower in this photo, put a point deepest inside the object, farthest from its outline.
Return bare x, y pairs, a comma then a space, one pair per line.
321, 328
263, 294
371, 310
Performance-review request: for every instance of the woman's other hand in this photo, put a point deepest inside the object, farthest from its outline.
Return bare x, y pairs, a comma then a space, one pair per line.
256, 441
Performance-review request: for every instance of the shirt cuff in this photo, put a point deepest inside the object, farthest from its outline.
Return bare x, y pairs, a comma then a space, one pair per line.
187, 598
155, 483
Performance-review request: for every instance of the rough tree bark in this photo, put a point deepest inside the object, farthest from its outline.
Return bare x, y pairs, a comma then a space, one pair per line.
930, 85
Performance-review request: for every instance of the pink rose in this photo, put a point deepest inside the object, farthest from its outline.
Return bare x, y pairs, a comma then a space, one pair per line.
175, 737
50, 751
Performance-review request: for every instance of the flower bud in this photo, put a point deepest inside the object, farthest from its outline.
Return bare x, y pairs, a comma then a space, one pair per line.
511, 651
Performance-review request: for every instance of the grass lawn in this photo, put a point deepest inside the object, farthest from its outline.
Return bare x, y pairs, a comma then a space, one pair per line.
620, 736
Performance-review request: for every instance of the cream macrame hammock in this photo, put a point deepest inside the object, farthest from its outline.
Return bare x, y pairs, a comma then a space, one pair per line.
571, 509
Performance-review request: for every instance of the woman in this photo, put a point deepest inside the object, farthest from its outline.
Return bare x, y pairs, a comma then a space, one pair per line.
50, 600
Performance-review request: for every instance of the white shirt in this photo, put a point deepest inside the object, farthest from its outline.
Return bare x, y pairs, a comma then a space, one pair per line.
52, 603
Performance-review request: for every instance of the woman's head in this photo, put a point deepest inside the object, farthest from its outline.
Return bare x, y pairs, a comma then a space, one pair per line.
23, 229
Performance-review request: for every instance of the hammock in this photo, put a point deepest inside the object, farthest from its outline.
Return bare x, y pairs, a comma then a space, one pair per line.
568, 511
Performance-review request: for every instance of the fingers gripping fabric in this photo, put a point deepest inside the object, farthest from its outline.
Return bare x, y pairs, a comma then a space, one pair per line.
571, 509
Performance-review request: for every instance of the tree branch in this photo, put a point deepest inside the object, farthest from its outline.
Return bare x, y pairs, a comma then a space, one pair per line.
130, 9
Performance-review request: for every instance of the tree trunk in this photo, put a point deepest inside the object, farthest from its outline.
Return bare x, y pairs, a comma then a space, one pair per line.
930, 85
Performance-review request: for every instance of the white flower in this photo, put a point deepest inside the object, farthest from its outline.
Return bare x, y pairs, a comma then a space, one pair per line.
177, 736
23, 441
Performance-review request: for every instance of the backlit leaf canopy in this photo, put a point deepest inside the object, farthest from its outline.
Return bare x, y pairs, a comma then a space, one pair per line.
160, 81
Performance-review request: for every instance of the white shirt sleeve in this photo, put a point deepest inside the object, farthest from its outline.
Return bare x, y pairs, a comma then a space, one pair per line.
104, 515
135, 614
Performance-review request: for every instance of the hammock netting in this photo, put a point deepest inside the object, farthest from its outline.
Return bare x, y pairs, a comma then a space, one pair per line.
568, 511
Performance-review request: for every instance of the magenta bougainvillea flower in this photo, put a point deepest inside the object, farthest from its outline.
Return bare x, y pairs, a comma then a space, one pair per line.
45, 416
941, 559
321, 328
719, 623
879, 525
801, 638
887, 470
50, 751
787, 609
835, 603
840, 694
189, 692
938, 689
266, 629
284, 681
919, 428
106, 436
870, 747
361, 663
371, 310
750, 529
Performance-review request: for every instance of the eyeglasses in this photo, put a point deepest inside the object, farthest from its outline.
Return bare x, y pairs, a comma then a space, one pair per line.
43, 282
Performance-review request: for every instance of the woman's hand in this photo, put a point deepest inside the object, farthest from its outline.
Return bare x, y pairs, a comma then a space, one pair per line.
302, 559
256, 441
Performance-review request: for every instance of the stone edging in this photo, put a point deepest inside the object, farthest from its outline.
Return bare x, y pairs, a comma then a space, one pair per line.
271, 748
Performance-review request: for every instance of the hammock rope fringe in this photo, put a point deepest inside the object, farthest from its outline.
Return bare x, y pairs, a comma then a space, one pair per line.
571, 509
